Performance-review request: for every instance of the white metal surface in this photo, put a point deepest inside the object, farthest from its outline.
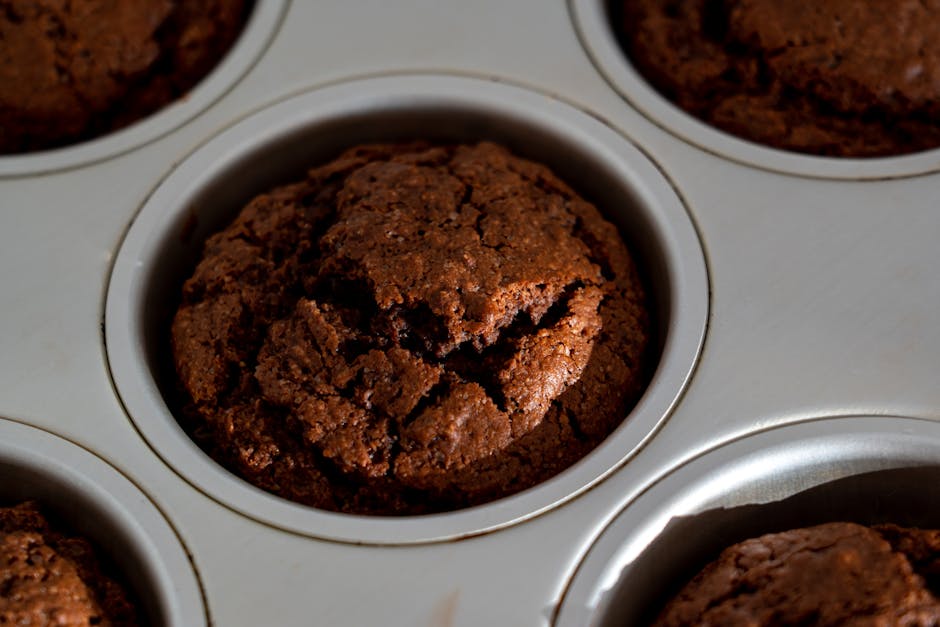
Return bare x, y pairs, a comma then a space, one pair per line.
823, 301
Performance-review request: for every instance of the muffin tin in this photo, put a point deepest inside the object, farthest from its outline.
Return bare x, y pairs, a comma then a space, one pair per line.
790, 289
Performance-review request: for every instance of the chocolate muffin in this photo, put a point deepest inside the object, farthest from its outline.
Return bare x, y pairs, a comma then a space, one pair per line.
831, 574
411, 328
841, 78
50, 578
70, 71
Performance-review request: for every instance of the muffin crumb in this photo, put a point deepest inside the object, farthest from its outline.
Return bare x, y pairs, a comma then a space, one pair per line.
411, 328
50, 578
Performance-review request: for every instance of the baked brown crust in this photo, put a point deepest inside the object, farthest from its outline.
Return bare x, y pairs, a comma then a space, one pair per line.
831, 574
411, 328
70, 71
50, 578
842, 78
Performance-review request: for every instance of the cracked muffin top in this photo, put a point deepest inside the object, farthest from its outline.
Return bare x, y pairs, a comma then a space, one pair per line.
843, 78
828, 575
70, 71
48, 578
411, 328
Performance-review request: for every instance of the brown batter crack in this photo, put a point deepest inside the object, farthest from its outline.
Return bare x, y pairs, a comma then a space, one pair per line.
421, 320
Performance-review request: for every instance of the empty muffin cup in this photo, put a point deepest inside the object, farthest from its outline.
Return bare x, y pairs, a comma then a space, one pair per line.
864, 470
742, 73
277, 146
86, 497
104, 93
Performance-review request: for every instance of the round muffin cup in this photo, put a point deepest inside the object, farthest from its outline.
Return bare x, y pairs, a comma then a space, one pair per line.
867, 470
94, 500
597, 33
279, 144
253, 40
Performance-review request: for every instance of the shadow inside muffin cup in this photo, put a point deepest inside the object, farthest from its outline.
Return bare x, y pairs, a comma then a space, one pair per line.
82, 496
866, 470
71, 512
279, 145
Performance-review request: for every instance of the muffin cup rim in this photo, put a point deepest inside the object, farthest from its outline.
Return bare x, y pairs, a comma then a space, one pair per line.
869, 442
143, 400
77, 470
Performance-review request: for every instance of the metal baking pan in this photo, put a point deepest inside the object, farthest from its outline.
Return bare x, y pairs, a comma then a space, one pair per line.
789, 289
